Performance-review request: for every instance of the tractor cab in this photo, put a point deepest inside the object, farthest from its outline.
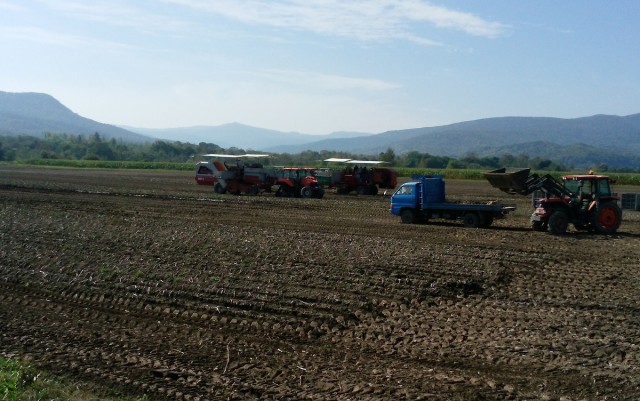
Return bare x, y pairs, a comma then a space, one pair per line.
298, 182
588, 186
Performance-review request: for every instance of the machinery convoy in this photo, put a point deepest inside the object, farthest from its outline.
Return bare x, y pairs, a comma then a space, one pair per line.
361, 176
424, 200
586, 201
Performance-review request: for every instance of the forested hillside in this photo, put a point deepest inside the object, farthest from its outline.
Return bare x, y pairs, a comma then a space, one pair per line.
74, 147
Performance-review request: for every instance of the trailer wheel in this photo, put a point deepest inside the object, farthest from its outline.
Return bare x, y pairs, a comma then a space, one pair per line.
607, 218
219, 189
471, 220
558, 223
407, 216
252, 190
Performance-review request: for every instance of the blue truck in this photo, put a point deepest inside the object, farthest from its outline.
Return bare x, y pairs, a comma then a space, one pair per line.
424, 200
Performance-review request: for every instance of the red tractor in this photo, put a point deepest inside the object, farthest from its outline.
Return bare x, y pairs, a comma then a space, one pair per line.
586, 201
235, 178
298, 182
362, 176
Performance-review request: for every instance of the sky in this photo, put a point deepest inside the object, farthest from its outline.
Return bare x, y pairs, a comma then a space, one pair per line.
321, 66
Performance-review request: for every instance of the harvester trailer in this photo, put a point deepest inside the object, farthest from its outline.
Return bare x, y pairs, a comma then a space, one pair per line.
364, 177
586, 201
424, 200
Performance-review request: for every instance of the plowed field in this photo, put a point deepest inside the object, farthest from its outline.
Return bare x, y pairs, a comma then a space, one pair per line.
146, 282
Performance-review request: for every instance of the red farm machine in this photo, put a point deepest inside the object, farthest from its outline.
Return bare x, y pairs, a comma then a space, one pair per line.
365, 177
298, 182
586, 201
230, 175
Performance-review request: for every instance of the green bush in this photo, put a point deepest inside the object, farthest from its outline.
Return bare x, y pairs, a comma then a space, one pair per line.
21, 382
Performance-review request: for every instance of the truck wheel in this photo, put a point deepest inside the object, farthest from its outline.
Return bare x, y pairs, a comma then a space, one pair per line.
219, 189
471, 220
558, 223
607, 218
407, 216
486, 219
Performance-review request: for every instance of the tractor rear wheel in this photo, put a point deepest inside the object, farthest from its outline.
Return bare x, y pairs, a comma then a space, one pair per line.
607, 218
471, 220
558, 223
407, 216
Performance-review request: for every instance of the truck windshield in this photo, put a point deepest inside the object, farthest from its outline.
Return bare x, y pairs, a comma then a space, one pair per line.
405, 190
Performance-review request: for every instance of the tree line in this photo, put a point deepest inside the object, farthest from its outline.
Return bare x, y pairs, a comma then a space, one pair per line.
95, 147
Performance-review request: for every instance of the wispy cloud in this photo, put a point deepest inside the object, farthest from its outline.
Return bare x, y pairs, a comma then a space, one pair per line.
325, 82
358, 19
119, 13
48, 37
10, 6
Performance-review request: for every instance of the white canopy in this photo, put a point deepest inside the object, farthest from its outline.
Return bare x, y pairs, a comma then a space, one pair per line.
352, 161
247, 155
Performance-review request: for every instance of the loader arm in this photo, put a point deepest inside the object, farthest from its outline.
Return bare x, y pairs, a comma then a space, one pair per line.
520, 182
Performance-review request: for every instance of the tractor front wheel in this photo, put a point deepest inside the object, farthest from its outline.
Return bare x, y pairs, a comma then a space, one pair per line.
607, 218
306, 192
558, 223
538, 225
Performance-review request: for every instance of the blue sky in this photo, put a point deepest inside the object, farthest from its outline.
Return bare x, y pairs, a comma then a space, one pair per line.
319, 66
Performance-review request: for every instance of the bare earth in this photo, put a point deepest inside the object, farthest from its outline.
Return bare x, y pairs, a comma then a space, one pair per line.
146, 282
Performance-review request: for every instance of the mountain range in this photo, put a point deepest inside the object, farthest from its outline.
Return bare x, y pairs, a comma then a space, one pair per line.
578, 142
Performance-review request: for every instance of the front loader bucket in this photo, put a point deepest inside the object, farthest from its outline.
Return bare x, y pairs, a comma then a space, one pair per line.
509, 182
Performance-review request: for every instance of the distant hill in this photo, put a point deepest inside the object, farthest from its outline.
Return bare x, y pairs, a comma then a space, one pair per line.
612, 140
38, 113
238, 135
